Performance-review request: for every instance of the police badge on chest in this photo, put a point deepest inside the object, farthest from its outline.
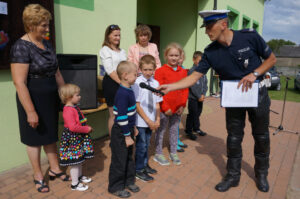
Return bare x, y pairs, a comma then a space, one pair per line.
243, 56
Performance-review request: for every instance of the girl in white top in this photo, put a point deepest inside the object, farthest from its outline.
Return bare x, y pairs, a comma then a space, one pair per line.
111, 55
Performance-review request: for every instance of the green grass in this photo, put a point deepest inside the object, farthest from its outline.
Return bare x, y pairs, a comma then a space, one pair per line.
291, 95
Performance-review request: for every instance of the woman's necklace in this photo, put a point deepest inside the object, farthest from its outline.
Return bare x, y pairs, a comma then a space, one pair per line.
38, 44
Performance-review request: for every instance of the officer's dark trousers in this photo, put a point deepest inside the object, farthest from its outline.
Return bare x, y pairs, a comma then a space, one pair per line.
122, 168
235, 123
192, 119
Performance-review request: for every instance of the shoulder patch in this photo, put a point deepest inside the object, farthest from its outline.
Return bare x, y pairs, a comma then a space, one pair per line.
248, 30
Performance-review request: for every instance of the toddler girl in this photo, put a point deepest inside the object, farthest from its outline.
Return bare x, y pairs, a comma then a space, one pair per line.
75, 144
172, 105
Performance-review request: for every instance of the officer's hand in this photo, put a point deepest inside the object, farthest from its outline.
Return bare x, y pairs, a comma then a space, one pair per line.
247, 82
165, 88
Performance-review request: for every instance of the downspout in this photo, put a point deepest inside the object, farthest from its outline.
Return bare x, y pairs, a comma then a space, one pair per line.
211, 83
215, 4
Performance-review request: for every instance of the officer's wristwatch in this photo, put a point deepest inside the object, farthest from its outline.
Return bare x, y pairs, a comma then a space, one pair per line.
256, 74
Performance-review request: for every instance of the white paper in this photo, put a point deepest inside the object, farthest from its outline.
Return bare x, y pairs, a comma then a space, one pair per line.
234, 97
3, 8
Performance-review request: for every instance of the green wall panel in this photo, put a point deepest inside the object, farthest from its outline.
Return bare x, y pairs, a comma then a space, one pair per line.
82, 4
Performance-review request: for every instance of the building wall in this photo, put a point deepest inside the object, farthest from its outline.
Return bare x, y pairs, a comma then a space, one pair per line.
177, 21
12, 152
288, 61
80, 30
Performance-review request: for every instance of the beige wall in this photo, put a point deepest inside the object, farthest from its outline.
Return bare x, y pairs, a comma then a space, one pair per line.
288, 61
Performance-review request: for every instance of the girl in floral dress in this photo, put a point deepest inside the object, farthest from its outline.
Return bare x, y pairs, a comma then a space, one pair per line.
76, 144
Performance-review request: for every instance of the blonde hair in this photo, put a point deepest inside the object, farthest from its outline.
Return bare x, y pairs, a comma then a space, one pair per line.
125, 67
147, 59
67, 91
33, 15
142, 30
170, 46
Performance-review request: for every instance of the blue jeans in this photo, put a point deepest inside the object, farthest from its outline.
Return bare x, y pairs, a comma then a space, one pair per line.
142, 144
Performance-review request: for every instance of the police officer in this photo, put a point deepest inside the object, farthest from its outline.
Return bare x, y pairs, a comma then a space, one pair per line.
236, 55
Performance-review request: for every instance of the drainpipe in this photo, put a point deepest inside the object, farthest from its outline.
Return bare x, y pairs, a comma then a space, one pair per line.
215, 4
211, 83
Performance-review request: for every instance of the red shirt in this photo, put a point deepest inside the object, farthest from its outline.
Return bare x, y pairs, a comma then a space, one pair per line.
174, 99
71, 120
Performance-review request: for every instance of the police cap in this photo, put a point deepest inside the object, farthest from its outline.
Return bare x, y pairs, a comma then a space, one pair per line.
211, 16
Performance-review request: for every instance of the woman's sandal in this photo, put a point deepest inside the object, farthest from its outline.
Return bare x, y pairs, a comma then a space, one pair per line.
58, 175
43, 186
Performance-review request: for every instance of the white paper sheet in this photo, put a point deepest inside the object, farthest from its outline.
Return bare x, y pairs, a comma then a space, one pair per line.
3, 8
233, 97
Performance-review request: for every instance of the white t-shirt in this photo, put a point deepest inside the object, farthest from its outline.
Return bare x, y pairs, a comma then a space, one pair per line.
110, 58
141, 96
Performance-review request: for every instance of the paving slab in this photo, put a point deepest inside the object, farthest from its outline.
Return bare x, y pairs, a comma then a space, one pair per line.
203, 165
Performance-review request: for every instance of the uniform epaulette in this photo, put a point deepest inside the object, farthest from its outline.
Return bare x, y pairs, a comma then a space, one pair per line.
248, 30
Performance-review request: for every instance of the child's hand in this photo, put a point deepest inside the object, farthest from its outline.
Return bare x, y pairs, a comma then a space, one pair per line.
201, 99
180, 110
157, 124
90, 129
151, 125
129, 141
136, 132
168, 112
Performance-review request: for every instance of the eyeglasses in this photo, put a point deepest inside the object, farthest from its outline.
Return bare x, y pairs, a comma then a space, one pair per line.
114, 27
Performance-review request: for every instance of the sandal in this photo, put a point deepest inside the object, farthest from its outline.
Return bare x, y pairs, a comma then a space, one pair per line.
58, 175
43, 186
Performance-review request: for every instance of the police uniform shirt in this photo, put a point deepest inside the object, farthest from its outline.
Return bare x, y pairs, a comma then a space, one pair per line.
239, 59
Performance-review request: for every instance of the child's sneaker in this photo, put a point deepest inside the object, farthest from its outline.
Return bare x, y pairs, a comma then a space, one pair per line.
79, 187
143, 175
85, 179
161, 159
175, 159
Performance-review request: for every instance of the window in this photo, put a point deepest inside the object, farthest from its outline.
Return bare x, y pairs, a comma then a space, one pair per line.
255, 25
233, 18
246, 22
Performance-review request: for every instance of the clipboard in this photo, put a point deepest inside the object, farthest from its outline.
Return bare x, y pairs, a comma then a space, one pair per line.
232, 97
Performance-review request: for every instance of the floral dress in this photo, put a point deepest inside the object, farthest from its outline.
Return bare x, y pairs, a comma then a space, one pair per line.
75, 147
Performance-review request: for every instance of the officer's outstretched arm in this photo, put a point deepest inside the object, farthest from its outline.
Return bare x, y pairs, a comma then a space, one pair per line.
184, 83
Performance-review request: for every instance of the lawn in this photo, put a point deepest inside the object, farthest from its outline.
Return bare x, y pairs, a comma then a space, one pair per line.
291, 95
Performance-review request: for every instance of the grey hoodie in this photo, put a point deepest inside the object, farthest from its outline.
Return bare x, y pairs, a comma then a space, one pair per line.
198, 89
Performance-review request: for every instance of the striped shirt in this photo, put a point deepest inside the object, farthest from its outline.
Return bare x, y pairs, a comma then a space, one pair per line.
125, 109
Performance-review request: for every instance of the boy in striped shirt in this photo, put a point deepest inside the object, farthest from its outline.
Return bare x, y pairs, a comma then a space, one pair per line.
122, 167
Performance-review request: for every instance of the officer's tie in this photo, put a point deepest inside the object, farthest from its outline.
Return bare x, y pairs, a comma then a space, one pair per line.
150, 99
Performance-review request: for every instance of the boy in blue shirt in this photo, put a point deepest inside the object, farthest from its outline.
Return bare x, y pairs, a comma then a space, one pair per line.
122, 169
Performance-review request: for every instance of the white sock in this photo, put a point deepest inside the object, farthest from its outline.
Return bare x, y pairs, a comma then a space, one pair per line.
74, 171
